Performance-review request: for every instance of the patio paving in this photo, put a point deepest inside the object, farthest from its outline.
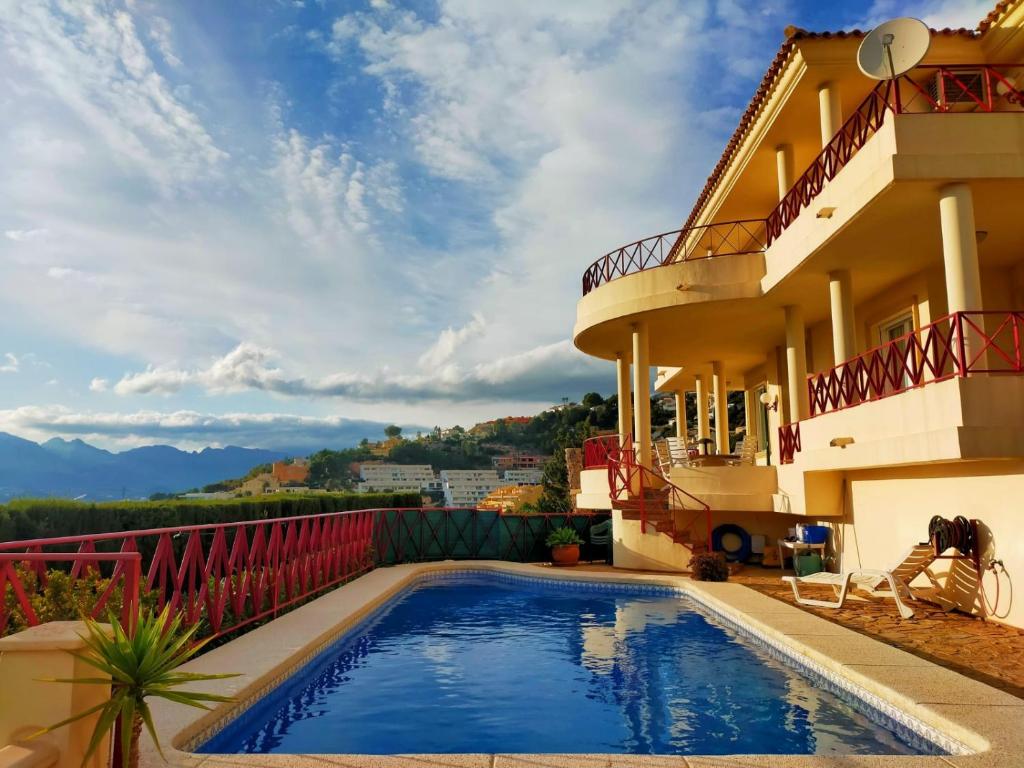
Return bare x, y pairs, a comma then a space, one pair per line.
985, 651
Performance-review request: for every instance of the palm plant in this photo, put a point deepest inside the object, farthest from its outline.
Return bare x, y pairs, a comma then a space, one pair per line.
138, 666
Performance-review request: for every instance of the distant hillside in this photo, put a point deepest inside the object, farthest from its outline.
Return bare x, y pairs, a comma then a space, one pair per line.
73, 468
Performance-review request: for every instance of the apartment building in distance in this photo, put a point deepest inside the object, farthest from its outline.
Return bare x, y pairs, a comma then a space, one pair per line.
518, 460
467, 487
395, 477
854, 266
522, 476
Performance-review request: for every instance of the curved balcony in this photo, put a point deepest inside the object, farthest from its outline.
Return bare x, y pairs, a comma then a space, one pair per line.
728, 238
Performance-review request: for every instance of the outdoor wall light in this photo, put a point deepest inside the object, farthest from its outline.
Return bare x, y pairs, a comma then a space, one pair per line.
826, 212
840, 442
770, 401
980, 235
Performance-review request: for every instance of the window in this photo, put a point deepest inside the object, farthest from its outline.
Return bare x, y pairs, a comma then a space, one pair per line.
900, 360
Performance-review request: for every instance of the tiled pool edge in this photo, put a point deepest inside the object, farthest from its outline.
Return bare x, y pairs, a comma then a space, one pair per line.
197, 728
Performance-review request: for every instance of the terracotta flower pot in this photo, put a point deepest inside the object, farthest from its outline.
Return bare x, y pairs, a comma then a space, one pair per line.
565, 554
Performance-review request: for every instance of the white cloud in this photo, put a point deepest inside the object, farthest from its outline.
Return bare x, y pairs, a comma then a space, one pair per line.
162, 35
25, 235
449, 341
186, 428
91, 60
542, 374
99, 385
938, 14
12, 364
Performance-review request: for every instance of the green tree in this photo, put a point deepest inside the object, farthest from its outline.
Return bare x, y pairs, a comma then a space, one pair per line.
392, 431
592, 400
554, 496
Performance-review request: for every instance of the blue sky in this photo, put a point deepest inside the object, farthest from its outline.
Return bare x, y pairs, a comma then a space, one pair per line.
244, 223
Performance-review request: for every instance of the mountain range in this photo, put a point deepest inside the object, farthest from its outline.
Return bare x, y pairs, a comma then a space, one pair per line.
73, 468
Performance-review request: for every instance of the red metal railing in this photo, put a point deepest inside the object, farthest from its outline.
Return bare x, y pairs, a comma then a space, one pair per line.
127, 575
634, 487
789, 442
598, 450
727, 238
231, 575
956, 345
929, 89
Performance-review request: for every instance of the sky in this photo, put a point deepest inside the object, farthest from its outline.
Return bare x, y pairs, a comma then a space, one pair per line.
267, 222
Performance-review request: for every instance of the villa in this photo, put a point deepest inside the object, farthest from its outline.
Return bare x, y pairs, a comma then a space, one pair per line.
853, 267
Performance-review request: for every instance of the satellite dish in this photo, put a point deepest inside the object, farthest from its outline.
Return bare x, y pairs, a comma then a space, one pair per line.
894, 47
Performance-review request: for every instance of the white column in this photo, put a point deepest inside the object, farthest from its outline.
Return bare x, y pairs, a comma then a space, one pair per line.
840, 290
703, 428
721, 406
681, 414
784, 167
796, 364
960, 255
642, 388
624, 396
831, 111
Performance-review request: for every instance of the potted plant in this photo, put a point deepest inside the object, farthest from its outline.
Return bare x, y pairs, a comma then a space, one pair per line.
565, 546
137, 667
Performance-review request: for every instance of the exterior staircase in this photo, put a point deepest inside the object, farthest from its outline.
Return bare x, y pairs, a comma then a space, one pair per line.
643, 494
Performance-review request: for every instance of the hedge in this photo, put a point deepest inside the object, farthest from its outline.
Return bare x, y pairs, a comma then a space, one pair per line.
47, 518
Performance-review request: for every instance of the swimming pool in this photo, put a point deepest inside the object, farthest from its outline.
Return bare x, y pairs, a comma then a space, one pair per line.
479, 663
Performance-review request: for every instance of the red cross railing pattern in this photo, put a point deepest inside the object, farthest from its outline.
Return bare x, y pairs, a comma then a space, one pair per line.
597, 450
789, 442
927, 90
728, 238
226, 576
930, 89
959, 344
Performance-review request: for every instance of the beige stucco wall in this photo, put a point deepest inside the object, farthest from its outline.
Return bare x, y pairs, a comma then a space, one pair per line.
633, 549
889, 510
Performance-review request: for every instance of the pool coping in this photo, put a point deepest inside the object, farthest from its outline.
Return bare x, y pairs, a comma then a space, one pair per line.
969, 713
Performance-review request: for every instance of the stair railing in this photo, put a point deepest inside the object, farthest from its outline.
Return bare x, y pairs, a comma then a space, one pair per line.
629, 482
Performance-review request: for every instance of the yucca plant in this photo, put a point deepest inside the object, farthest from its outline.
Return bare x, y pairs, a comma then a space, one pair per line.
140, 666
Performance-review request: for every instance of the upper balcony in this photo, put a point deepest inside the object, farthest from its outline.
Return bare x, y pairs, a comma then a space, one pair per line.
952, 390
749, 257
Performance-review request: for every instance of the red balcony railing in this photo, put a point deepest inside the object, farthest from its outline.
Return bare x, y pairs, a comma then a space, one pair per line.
789, 442
598, 450
928, 89
728, 238
226, 576
956, 345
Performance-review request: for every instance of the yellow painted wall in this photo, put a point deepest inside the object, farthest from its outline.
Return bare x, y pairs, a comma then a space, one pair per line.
889, 510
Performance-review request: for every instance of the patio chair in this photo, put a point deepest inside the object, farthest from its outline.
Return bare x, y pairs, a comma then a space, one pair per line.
601, 535
915, 562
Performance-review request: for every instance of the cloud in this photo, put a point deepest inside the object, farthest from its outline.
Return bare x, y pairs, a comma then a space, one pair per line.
184, 427
92, 61
448, 343
938, 14
162, 35
99, 385
542, 374
25, 235
12, 364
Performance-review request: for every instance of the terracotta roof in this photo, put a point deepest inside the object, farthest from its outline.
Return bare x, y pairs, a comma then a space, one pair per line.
794, 35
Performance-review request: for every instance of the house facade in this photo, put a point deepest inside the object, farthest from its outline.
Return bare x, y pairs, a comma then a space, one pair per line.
855, 267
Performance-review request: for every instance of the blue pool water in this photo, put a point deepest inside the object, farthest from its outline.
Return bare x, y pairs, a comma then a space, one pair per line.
474, 663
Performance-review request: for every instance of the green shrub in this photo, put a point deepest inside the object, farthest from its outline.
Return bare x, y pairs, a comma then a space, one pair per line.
709, 566
46, 518
562, 537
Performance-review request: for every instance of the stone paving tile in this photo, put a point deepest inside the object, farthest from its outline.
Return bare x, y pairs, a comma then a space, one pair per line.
982, 650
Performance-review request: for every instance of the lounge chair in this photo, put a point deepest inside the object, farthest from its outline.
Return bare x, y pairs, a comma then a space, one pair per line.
601, 536
915, 562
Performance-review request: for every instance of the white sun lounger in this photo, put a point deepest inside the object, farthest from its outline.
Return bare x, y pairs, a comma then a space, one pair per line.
915, 562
